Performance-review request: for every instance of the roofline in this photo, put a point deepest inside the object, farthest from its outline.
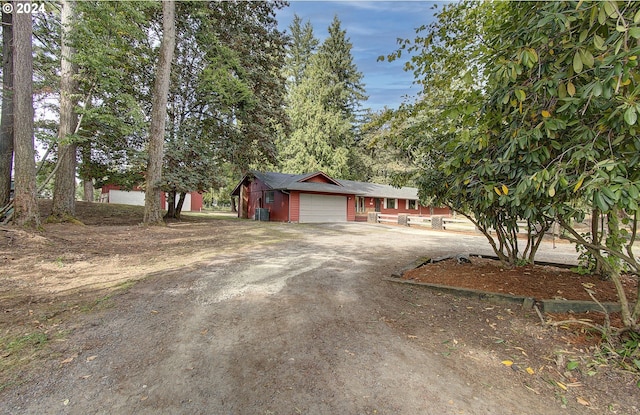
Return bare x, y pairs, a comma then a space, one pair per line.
341, 190
318, 173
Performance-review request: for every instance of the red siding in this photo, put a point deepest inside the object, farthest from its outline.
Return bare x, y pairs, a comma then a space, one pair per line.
351, 208
196, 202
255, 192
286, 206
294, 206
370, 206
319, 179
279, 209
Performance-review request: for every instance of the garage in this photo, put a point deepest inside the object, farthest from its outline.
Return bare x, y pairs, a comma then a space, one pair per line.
316, 208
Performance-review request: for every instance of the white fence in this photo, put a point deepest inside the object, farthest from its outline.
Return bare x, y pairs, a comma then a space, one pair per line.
436, 222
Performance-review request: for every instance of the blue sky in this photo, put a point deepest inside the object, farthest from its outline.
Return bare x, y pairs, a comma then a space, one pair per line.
373, 28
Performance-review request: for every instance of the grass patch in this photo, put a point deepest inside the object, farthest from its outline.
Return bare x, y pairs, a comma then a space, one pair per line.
105, 300
30, 342
16, 352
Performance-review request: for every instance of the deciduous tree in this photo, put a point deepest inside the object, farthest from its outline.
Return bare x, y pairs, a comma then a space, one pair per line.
547, 129
152, 208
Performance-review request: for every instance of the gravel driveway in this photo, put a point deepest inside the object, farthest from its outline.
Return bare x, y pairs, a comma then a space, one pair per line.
299, 326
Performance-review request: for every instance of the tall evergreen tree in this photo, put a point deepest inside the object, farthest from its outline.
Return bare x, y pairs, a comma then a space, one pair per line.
6, 130
64, 191
322, 108
25, 202
303, 46
335, 61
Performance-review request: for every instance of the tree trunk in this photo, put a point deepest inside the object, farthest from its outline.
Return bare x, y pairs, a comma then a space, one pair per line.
87, 185
85, 172
171, 205
152, 208
234, 209
6, 133
64, 187
183, 196
25, 203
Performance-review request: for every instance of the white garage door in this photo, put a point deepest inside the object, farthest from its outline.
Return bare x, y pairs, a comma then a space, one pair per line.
322, 208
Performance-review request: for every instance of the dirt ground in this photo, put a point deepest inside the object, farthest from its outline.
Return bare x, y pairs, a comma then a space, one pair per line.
214, 315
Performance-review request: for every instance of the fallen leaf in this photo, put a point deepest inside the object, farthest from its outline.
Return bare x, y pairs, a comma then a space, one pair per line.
561, 385
91, 358
507, 363
65, 402
205, 331
410, 336
583, 401
68, 360
154, 311
530, 371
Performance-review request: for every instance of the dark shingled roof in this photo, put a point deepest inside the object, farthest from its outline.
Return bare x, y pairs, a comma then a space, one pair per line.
283, 181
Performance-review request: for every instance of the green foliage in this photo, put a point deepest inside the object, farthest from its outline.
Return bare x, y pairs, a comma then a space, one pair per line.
323, 98
303, 45
538, 124
116, 60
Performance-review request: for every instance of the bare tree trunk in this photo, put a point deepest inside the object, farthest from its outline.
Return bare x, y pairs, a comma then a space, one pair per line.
183, 196
6, 134
171, 205
64, 187
88, 190
25, 203
85, 172
152, 208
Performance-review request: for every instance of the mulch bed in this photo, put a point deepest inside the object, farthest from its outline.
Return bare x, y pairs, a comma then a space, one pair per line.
537, 281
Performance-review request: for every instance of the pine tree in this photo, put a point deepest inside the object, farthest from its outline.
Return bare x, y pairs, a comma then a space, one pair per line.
336, 62
322, 107
6, 129
25, 202
64, 191
303, 46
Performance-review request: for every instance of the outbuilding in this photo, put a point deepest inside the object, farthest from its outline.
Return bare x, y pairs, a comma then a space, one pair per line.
317, 197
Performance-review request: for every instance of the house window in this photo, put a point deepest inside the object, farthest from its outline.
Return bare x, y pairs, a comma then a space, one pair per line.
412, 204
391, 203
360, 204
268, 197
